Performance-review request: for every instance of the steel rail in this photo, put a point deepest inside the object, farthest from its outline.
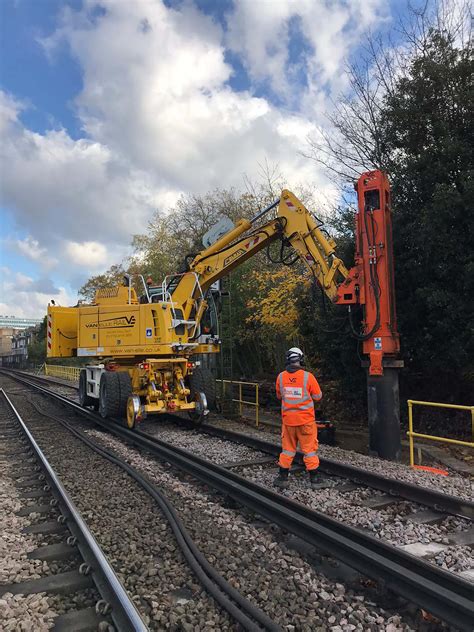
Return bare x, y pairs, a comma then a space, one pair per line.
409, 491
440, 592
249, 616
45, 379
123, 612
415, 493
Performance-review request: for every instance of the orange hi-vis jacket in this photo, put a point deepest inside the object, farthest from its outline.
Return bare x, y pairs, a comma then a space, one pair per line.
298, 391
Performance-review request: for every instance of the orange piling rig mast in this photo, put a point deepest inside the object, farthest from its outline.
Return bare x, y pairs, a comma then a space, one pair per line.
370, 284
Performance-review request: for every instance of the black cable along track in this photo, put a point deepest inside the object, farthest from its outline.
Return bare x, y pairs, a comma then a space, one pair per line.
218, 587
440, 592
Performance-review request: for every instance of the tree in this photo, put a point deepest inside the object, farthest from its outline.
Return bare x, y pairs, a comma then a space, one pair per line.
271, 311
353, 140
428, 124
37, 348
113, 276
410, 112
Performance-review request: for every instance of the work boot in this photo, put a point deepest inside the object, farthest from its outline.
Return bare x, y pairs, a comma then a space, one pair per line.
313, 478
281, 480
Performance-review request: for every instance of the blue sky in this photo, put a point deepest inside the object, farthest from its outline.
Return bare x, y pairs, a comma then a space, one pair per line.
109, 111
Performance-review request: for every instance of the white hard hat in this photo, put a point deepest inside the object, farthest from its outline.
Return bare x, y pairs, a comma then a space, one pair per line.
294, 355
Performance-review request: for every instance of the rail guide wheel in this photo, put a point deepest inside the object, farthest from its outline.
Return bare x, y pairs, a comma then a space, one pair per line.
134, 411
201, 411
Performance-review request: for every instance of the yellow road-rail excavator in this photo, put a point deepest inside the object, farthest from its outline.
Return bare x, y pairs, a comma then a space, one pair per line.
145, 345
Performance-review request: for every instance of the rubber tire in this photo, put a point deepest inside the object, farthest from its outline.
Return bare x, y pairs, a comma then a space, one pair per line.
109, 395
125, 384
84, 398
202, 381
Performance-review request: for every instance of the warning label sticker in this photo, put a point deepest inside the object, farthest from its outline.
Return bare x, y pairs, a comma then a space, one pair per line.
377, 343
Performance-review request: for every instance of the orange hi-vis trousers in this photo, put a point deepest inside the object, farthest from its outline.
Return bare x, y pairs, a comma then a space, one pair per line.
307, 436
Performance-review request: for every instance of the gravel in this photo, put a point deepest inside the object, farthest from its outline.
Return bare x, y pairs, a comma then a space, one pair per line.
257, 561
26, 613
453, 484
14, 545
455, 558
19, 612
388, 523
253, 556
216, 450
129, 528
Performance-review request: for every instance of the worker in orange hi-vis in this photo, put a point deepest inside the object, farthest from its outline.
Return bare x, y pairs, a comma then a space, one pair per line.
298, 390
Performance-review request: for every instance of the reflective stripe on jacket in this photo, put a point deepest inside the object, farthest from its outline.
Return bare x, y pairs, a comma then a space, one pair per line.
297, 390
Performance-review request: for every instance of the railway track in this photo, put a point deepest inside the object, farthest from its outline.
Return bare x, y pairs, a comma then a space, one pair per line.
44, 496
45, 380
445, 539
437, 591
240, 611
338, 473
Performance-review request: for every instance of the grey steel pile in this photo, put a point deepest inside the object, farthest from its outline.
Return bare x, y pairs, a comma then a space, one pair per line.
254, 557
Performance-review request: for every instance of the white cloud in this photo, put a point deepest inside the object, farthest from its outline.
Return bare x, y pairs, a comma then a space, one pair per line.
323, 33
22, 296
31, 249
90, 254
160, 118
9, 110
58, 186
163, 101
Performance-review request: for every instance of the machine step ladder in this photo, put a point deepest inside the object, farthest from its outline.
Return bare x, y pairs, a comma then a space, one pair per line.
227, 406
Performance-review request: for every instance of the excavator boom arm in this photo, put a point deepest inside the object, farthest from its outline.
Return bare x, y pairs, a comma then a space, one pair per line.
293, 223
369, 283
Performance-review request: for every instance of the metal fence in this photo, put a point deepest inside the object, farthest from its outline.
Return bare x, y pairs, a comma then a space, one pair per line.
70, 373
239, 400
412, 435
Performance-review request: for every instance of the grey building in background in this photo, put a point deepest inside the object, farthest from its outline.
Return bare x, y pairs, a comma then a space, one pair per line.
15, 322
